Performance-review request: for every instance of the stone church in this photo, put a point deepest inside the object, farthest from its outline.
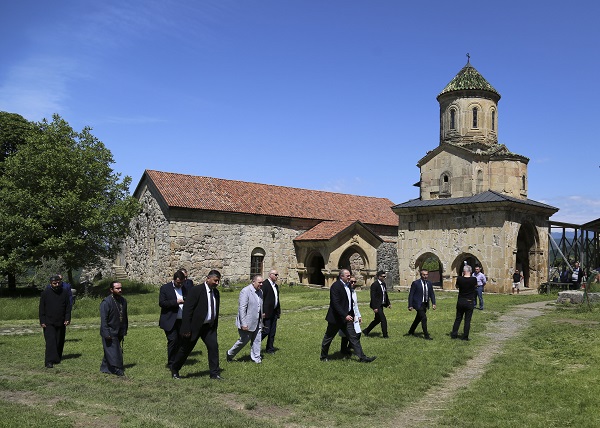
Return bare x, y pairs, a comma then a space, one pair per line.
473, 208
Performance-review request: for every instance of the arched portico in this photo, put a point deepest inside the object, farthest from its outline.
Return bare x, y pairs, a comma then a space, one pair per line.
434, 265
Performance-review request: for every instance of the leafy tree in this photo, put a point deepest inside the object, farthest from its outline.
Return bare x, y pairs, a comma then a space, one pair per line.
14, 130
62, 199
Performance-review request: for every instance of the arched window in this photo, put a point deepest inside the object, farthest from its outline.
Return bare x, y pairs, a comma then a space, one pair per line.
452, 119
479, 188
445, 184
493, 120
256, 262
523, 183
474, 117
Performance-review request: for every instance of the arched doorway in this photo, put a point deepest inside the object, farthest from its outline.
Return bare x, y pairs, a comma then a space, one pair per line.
526, 242
314, 267
465, 259
353, 260
433, 264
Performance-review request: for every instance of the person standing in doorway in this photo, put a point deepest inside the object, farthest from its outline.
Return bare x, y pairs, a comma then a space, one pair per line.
516, 282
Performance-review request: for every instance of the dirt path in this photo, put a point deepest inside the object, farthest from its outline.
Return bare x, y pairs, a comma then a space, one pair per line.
499, 332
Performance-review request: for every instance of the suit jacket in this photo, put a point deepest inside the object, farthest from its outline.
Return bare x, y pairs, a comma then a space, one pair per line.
196, 309
167, 300
269, 300
415, 296
338, 304
250, 308
377, 296
110, 318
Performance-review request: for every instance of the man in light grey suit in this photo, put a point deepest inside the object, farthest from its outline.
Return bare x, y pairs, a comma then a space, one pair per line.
249, 320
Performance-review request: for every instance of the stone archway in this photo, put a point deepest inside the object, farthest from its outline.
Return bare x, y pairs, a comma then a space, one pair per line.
353, 260
463, 259
527, 242
433, 264
314, 268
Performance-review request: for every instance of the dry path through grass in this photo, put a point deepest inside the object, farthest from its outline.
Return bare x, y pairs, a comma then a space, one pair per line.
426, 411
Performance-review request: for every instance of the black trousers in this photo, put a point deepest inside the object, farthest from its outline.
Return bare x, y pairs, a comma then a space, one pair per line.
112, 362
348, 329
208, 334
174, 342
269, 330
55, 343
464, 307
379, 318
421, 317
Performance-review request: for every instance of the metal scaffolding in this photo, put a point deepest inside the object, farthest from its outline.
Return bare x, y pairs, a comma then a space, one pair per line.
573, 242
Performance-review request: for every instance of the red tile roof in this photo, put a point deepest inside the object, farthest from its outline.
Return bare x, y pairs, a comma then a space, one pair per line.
324, 230
216, 194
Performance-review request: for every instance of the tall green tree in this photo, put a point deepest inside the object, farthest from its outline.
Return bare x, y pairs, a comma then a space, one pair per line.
62, 199
14, 131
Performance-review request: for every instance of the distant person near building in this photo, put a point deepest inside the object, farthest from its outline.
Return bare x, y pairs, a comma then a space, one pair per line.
516, 281
481, 281
576, 277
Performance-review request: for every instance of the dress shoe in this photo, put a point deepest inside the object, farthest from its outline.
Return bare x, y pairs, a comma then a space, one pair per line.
49, 365
465, 338
228, 357
120, 373
386, 337
366, 333
216, 377
453, 336
366, 359
324, 359
270, 352
175, 375
428, 337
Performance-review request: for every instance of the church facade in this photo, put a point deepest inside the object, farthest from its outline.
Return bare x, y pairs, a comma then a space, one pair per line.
472, 208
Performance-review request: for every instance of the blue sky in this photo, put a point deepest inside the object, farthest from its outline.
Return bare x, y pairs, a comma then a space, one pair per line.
327, 95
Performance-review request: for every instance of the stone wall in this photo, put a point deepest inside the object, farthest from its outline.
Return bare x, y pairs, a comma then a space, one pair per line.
489, 235
163, 240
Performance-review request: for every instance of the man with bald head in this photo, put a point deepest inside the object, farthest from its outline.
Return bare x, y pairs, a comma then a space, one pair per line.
340, 316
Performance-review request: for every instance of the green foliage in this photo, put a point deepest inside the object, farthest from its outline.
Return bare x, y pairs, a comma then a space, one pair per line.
431, 264
62, 199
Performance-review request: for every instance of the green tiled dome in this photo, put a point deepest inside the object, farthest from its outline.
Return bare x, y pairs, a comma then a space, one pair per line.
468, 79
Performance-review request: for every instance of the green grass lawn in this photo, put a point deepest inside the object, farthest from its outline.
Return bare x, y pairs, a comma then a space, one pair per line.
546, 377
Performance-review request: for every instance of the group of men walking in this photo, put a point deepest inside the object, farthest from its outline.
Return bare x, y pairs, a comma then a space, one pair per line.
189, 313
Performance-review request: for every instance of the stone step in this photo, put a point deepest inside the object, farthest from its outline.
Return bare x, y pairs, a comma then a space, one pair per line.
120, 273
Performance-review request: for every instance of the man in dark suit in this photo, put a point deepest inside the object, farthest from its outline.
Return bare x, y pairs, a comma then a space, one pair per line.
170, 299
340, 316
188, 283
379, 300
421, 292
271, 308
200, 320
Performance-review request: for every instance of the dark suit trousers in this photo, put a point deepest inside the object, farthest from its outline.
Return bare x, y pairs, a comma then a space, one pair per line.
208, 334
332, 330
112, 361
173, 342
55, 342
421, 317
269, 330
464, 307
379, 318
